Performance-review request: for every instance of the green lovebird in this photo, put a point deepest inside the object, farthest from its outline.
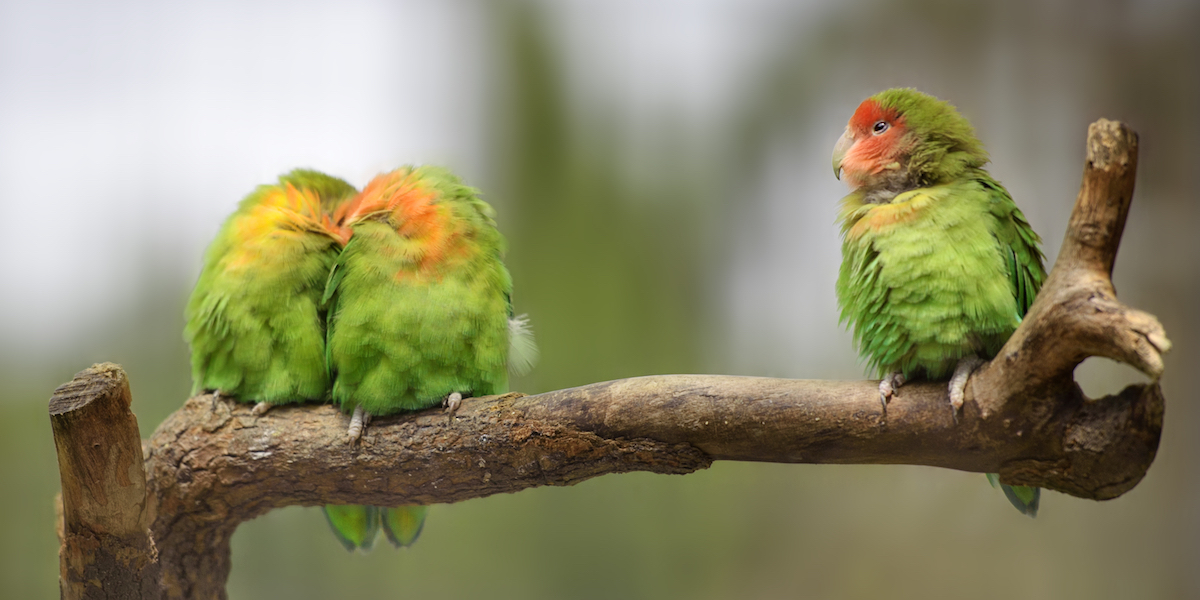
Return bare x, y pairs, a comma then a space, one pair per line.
419, 315
254, 320
938, 264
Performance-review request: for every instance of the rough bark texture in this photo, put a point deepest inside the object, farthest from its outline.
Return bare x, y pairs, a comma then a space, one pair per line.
106, 550
213, 464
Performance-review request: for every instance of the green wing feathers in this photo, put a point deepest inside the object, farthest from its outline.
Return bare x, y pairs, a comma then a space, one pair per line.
1020, 243
1026, 275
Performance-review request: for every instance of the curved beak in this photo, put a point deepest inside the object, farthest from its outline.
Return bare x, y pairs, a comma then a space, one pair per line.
839, 151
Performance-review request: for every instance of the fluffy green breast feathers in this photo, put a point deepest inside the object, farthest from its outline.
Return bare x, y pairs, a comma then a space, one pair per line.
925, 279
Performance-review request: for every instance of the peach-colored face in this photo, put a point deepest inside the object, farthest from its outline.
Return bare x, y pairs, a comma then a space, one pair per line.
873, 143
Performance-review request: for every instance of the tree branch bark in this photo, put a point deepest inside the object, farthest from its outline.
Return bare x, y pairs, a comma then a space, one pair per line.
213, 464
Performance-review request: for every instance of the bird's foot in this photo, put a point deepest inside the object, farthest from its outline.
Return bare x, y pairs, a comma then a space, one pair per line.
358, 423
260, 409
888, 388
215, 397
958, 382
451, 403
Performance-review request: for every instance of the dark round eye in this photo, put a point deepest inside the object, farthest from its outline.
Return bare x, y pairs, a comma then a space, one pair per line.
880, 127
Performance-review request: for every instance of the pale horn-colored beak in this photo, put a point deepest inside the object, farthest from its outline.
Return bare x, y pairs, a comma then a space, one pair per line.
839, 151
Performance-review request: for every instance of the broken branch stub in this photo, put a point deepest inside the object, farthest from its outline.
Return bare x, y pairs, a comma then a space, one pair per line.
106, 549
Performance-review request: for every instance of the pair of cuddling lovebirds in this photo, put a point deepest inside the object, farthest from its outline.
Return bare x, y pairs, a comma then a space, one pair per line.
395, 298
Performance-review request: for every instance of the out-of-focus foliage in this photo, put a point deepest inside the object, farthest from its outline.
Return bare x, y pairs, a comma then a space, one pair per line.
645, 240
607, 268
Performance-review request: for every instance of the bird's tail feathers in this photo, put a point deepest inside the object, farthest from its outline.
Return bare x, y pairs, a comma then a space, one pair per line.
356, 527
403, 524
1024, 498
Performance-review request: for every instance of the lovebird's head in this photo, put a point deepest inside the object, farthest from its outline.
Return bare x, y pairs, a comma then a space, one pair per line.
901, 139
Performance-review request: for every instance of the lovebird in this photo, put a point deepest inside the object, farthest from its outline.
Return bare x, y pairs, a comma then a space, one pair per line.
254, 320
420, 314
939, 266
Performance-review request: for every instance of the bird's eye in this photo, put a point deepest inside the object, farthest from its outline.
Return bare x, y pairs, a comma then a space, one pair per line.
880, 127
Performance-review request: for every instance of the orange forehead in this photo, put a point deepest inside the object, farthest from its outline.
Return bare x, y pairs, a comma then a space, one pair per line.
400, 192
871, 112
414, 211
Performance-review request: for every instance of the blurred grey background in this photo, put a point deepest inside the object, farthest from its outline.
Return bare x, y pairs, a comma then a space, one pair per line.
661, 169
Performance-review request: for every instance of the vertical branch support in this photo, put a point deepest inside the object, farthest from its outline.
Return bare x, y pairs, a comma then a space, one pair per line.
106, 549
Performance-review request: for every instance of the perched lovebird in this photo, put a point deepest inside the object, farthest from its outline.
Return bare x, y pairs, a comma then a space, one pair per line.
419, 315
254, 321
938, 263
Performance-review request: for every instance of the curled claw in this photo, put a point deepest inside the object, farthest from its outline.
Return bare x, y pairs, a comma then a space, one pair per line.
216, 397
358, 423
451, 403
260, 409
958, 382
888, 388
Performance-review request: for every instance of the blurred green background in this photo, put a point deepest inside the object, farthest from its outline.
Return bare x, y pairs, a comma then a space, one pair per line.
661, 169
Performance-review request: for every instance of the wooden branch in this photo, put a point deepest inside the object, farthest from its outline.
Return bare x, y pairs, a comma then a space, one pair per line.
106, 549
213, 464
1030, 383
1077, 315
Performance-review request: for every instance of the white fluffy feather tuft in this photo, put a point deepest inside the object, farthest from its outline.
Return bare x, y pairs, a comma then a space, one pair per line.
522, 350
